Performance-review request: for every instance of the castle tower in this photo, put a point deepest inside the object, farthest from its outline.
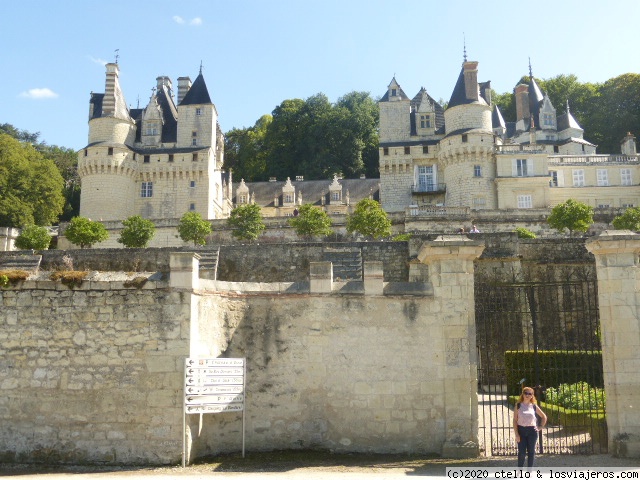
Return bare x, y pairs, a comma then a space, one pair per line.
466, 152
106, 165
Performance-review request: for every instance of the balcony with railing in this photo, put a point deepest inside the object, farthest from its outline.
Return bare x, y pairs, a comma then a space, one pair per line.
591, 159
428, 188
516, 148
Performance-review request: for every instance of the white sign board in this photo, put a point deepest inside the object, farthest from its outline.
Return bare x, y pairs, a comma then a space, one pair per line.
213, 385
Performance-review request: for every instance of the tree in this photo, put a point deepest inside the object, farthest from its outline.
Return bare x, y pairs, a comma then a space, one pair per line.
33, 237
572, 215
369, 219
85, 232
629, 220
137, 232
246, 222
30, 186
311, 221
193, 228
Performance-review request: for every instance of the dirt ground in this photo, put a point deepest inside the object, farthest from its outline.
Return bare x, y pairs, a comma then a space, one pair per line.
306, 465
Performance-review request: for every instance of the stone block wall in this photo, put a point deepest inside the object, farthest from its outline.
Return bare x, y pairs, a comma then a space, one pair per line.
92, 374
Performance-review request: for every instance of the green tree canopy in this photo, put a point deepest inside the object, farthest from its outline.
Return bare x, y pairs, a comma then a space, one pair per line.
137, 232
629, 220
369, 219
571, 215
246, 222
311, 221
33, 237
193, 228
85, 232
30, 185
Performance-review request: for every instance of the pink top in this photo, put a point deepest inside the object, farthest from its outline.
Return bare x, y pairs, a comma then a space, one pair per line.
527, 415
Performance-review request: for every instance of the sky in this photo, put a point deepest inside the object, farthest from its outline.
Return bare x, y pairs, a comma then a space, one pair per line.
257, 53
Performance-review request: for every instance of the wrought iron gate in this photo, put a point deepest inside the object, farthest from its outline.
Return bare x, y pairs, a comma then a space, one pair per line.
546, 336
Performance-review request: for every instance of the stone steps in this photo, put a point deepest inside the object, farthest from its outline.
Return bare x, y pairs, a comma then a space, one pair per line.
347, 262
209, 263
29, 263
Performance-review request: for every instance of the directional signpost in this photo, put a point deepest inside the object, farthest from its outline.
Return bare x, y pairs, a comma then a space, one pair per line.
213, 385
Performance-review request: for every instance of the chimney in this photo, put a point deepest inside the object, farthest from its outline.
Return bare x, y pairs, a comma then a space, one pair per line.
471, 80
522, 102
532, 132
109, 101
184, 84
485, 91
629, 145
166, 82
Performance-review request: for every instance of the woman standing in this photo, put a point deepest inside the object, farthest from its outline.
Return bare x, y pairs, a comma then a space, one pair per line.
526, 427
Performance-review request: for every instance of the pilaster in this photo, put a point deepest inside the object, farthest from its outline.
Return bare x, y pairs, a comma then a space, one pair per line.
617, 264
450, 261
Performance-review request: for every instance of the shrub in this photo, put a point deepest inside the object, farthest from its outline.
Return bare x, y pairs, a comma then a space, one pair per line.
629, 220
137, 232
311, 221
402, 237
246, 222
524, 233
578, 396
369, 219
573, 215
85, 232
33, 237
193, 228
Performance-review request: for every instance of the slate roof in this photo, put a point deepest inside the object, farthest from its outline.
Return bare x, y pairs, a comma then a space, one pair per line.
459, 95
535, 98
566, 120
198, 93
312, 190
439, 111
400, 92
96, 102
169, 115
497, 121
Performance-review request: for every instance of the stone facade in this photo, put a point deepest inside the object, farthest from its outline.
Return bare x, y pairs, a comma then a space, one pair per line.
158, 162
467, 156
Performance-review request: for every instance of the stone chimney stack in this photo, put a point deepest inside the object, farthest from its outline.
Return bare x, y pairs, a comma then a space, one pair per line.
471, 80
109, 101
184, 84
628, 145
522, 102
164, 81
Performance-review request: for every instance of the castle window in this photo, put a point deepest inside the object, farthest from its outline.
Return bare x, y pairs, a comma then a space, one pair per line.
242, 199
603, 205
603, 177
194, 142
194, 157
394, 92
194, 134
425, 149
192, 184
426, 178
147, 158
554, 178
522, 168
626, 205
86, 152
192, 206
110, 151
524, 201
407, 150
171, 157
556, 149
464, 138
425, 121
198, 112
288, 198
385, 150
335, 196
547, 120
479, 202
625, 176
477, 170
146, 190
578, 178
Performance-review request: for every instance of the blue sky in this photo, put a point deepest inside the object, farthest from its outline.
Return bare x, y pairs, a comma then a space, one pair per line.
257, 53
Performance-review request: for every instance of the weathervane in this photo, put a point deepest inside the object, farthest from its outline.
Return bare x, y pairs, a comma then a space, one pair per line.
117, 55
200, 67
464, 47
530, 70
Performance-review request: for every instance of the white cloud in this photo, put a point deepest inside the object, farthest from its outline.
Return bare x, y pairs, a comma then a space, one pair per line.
39, 93
196, 21
99, 61
179, 20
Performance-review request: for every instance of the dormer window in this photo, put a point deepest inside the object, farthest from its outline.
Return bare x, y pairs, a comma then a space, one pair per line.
242, 199
394, 92
425, 121
547, 120
335, 196
288, 198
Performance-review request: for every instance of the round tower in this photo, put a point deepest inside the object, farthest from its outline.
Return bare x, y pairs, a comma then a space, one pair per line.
467, 150
107, 166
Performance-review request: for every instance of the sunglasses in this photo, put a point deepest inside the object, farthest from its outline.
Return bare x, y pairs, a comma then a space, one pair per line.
528, 394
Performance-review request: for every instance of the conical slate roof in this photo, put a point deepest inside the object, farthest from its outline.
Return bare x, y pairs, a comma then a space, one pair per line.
197, 94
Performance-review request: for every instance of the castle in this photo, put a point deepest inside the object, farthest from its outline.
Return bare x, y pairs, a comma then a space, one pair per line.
468, 158
159, 161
